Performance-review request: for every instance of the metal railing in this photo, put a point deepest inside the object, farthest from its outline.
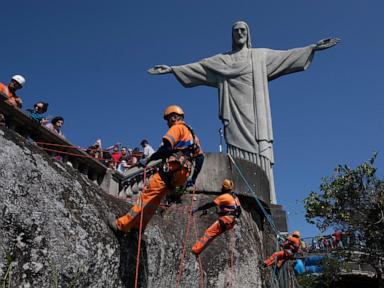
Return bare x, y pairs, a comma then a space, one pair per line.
328, 243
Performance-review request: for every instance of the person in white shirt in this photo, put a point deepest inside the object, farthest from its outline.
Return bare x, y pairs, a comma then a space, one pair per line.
55, 126
147, 149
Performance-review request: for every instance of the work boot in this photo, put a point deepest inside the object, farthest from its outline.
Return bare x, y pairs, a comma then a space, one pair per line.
190, 186
196, 255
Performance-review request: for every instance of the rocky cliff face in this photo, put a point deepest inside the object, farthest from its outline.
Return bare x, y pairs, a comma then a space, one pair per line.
54, 234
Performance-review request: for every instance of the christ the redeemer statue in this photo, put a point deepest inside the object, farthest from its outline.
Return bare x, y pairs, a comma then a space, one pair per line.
241, 77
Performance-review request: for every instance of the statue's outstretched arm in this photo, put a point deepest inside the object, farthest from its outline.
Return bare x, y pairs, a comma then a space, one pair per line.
326, 43
160, 69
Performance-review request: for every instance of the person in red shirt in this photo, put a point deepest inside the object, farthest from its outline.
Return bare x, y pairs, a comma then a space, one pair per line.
177, 154
229, 209
17, 82
290, 247
336, 239
116, 156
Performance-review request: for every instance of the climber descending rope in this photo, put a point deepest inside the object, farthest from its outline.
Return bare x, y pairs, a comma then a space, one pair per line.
177, 152
289, 247
229, 210
274, 259
179, 147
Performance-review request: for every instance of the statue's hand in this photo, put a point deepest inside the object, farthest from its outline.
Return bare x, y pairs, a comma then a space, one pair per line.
326, 43
160, 69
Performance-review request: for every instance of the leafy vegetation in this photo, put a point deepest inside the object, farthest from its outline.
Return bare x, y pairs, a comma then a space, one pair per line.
352, 200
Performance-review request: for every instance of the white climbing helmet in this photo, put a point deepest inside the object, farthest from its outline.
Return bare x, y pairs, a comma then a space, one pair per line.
19, 79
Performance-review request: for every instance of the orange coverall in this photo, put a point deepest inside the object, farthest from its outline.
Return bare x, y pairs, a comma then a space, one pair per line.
161, 183
13, 99
290, 247
228, 204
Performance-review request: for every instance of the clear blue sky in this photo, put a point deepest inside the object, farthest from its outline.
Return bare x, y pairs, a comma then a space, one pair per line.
88, 59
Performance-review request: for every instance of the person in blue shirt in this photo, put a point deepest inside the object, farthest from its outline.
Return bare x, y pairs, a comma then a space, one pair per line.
37, 113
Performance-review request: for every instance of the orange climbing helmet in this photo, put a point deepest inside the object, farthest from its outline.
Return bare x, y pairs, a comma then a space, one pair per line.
228, 184
173, 109
296, 233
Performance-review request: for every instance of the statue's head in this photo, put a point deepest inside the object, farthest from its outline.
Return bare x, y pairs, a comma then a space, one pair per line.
240, 35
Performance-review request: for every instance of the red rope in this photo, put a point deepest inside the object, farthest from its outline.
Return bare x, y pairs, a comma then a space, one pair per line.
173, 209
121, 198
68, 146
140, 232
72, 154
186, 237
59, 145
198, 257
231, 259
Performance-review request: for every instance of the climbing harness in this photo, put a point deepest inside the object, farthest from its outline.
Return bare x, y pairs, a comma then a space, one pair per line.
230, 210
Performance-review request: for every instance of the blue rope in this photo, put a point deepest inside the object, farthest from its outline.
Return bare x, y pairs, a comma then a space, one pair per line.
266, 214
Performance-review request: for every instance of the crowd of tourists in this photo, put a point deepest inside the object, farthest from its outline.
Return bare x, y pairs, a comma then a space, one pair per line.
116, 157
37, 112
337, 240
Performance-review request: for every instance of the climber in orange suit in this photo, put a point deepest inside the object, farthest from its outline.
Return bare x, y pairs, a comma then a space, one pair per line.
289, 248
177, 152
228, 210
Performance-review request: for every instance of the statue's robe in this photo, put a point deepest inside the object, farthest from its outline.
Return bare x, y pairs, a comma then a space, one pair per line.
242, 81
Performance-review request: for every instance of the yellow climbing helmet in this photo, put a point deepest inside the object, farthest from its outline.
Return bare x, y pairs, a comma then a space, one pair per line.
173, 109
228, 184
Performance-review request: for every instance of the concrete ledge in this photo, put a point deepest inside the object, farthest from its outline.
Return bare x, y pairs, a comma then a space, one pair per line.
217, 167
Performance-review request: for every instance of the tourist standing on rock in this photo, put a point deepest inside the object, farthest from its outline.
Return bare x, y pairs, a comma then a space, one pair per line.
290, 247
177, 152
229, 209
17, 82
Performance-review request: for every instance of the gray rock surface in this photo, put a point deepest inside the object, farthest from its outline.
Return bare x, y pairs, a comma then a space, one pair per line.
54, 233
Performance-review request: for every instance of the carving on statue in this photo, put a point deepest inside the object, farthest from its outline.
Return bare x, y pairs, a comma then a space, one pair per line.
241, 77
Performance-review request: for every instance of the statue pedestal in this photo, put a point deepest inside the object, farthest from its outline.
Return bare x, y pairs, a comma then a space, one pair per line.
217, 167
279, 216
